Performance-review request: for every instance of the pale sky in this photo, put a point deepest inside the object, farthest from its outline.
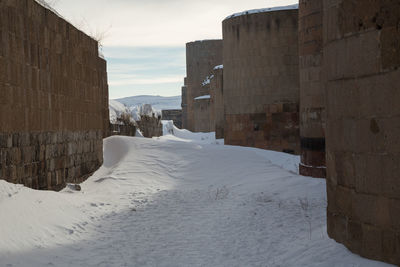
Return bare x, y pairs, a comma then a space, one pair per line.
144, 42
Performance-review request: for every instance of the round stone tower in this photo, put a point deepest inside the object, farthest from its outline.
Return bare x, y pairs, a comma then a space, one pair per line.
362, 72
261, 79
312, 94
201, 58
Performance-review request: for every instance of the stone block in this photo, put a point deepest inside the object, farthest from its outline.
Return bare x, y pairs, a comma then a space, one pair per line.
337, 227
355, 235
372, 241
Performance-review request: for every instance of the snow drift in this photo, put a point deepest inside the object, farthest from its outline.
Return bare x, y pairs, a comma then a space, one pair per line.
183, 199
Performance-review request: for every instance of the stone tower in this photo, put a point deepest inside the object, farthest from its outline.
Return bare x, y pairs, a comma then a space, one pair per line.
362, 72
261, 79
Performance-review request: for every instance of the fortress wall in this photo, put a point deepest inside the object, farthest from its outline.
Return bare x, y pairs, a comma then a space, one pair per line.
184, 107
201, 58
53, 98
217, 102
261, 80
312, 93
362, 72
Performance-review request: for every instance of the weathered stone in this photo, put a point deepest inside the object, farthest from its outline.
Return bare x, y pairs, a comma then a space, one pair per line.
150, 126
174, 115
201, 58
217, 102
361, 73
261, 80
53, 99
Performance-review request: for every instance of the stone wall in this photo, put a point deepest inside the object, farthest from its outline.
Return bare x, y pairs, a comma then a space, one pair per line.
261, 80
121, 129
150, 126
312, 94
184, 106
201, 58
217, 102
53, 98
362, 72
202, 116
174, 115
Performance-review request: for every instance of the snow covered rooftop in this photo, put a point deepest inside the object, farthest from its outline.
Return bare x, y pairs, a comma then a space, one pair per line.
263, 10
202, 97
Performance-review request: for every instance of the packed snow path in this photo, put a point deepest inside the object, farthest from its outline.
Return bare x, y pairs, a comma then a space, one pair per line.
174, 202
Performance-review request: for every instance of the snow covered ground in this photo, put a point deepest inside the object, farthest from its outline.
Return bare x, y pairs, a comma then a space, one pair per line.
116, 109
178, 200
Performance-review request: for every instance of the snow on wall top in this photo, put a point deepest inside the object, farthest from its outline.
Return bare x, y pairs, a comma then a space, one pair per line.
263, 10
218, 67
44, 4
116, 109
203, 97
207, 80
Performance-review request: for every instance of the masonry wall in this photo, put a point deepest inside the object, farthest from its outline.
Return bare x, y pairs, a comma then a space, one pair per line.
184, 106
150, 126
53, 98
201, 58
121, 129
362, 69
174, 115
312, 93
202, 116
217, 102
261, 80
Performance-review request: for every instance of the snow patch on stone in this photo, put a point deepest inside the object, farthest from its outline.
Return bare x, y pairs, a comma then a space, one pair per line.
202, 97
207, 80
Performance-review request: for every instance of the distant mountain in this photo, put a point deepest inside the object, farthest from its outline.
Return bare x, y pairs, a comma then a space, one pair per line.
157, 102
134, 104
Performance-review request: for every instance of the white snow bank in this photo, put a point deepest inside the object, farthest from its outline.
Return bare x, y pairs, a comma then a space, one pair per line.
285, 161
263, 10
168, 127
138, 133
202, 97
172, 133
218, 67
116, 109
173, 202
147, 110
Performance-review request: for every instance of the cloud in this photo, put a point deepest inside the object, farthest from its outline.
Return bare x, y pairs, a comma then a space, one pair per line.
133, 80
156, 22
132, 69
145, 40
